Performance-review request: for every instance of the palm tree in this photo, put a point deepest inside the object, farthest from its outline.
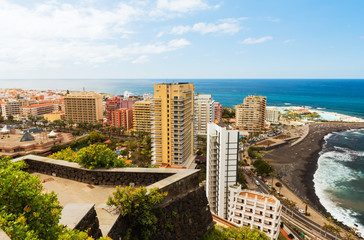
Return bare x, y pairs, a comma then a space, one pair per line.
306, 205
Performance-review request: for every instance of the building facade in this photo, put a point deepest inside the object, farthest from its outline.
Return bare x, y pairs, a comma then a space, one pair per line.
255, 210
217, 112
83, 107
250, 115
142, 116
204, 112
221, 166
13, 107
122, 117
272, 116
172, 123
38, 109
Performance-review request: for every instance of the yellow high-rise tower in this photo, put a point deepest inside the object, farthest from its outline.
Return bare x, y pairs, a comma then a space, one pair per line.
142, 116
172, 124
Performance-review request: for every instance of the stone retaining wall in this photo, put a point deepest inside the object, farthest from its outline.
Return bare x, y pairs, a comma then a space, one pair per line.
187, 217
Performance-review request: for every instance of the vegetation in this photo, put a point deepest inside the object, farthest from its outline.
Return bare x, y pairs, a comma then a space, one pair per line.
137, 206
93, 137
254, 152
228, 112
242, 233
262, 167
241, 179
26, 211
94, 156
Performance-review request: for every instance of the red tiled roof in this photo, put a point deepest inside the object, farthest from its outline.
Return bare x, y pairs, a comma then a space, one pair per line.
38, 105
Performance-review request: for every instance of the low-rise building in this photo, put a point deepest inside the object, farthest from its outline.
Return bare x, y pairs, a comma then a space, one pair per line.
38, 109
255, 210
55, 116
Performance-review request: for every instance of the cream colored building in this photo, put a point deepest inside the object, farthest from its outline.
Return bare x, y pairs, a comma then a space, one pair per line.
13, 107
255, 210
204, 112
172, 124
55, 116
272, 116
250, 115
142, 116
83, 107
38, 109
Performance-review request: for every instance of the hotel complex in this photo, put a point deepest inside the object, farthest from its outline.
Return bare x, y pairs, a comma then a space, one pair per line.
255, 210
122, 117
221, 166
38, 109
83, 107
204, 112
172, 124
250, 115
142, 116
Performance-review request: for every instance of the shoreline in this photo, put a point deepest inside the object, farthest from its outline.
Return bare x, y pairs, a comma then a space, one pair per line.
296, 165
333, 116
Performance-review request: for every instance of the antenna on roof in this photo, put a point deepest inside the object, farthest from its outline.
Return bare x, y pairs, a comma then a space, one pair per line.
83, 88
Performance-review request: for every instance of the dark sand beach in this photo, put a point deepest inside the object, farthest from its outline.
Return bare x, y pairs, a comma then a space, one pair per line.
296, 165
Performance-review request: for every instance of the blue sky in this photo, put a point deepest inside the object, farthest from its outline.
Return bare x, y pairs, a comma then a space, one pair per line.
182, 39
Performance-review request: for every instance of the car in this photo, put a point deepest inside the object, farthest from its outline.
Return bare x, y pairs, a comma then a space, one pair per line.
257, 183
301, 211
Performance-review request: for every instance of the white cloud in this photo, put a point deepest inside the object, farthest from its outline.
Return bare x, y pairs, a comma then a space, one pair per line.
289, 41
362, 37
256, 40
53, 35
225, 26
181, 5
141, 59
273, 19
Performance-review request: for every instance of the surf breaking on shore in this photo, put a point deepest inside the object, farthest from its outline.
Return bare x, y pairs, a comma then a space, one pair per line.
339, 178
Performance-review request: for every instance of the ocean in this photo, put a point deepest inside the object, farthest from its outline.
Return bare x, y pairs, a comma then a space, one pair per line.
339, 179
334, 95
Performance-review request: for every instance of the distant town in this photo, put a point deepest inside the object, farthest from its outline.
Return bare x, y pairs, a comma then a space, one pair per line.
227, 154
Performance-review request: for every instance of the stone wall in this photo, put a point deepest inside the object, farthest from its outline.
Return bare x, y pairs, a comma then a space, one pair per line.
184, 214
82, 217
187, 217
95, 177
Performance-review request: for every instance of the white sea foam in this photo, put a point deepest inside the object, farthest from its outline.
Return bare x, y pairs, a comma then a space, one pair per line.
329, 174
350, 151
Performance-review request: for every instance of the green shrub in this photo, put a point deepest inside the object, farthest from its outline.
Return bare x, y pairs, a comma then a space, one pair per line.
136, 205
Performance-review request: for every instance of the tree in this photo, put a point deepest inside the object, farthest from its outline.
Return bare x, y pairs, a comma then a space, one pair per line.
242, 233
26, 210
10, 117
262, 167
137, 207
279, 185
98, 156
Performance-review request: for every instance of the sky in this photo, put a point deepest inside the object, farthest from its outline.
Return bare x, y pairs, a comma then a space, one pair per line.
181, 39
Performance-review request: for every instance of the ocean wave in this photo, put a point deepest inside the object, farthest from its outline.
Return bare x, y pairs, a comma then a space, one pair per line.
350, 151
287, 103
327, 179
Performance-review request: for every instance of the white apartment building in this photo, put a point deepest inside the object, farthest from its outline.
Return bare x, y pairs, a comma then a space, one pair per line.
255, 210
203, 112
222, 166
38, 109
272, 115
